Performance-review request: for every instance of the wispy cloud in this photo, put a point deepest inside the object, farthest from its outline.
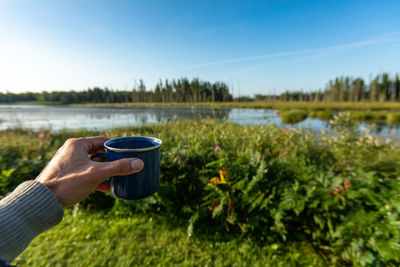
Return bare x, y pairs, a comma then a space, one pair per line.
289, 56
383, 39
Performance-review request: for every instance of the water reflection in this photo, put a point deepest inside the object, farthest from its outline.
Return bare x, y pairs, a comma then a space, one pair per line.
56, 117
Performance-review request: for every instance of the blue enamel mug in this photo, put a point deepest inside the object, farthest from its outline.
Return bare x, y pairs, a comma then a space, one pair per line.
138, 185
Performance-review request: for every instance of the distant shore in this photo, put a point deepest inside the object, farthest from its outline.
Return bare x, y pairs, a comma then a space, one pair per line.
364, 106
333, 106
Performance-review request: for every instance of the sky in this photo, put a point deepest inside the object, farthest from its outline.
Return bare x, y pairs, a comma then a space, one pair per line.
257, 47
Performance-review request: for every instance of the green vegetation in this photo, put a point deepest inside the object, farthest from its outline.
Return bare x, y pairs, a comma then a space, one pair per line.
230, 193
393, 117
383, 88
347, 89
293, 115
293, 112
98, 239
312, 106
181, 90
321, 114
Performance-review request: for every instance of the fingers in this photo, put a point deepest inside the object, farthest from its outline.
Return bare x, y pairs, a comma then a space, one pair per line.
99, 159
100, 150
94, 143
121, 167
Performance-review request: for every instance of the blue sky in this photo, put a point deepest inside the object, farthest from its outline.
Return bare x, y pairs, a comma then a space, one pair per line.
255, 46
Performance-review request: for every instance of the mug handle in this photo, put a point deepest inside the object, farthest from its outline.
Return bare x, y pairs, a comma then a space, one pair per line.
99, 155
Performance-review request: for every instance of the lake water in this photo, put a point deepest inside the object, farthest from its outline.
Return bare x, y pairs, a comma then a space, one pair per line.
59, 117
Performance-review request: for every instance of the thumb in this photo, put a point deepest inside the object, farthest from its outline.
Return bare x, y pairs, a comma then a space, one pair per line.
122, 167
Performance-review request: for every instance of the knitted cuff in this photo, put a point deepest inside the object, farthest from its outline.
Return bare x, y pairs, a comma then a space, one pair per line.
25, 213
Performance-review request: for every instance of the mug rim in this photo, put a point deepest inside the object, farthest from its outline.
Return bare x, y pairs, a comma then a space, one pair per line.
156, 141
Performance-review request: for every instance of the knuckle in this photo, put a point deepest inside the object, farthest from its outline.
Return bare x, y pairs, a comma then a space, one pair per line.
71, 141
74, 141
118, 166
91, 170
122, 167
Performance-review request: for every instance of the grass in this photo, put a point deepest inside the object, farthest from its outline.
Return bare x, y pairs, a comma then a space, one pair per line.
47, 103
96, 239
334, 106
288, 198
393, 117
297, 115
293, 112
321, 114
388, 112
293, 115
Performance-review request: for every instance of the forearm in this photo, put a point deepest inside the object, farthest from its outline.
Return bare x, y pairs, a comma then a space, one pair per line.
25, 213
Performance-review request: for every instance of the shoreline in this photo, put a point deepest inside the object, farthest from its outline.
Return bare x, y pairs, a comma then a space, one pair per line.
335, 106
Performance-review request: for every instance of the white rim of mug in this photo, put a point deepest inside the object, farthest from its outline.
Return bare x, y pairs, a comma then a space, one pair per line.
153, 139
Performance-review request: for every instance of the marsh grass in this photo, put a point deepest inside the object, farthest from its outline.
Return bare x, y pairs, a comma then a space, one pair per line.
293, 115
393, 117
379, 116
293, 112
321, 114
334, 106
297, 115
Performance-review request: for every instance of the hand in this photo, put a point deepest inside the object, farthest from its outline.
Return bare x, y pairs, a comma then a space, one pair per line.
72, 176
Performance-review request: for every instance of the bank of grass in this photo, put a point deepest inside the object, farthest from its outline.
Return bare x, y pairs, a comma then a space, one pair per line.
291, 112
274, 195
298, 115
292, 115
333, 106
101, 239
393, 117
45, 103
321, 114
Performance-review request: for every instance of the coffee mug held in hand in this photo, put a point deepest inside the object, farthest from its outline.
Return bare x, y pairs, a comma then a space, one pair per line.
138, 185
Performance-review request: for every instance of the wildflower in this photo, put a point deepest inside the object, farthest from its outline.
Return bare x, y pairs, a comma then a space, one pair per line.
220, 179
346, 185
214, 180
41, 135
221, 175
336, 191
29, 133
217, 148
52, 132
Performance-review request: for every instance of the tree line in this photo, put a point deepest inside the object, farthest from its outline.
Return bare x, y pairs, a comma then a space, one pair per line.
382, 87
181, 90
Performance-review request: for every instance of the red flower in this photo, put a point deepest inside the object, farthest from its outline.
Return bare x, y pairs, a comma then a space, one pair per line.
346, 184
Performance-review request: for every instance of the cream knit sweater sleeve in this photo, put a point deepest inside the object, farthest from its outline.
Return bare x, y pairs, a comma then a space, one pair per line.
25, 213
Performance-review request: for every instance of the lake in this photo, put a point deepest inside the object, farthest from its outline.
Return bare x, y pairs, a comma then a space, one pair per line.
63, 117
